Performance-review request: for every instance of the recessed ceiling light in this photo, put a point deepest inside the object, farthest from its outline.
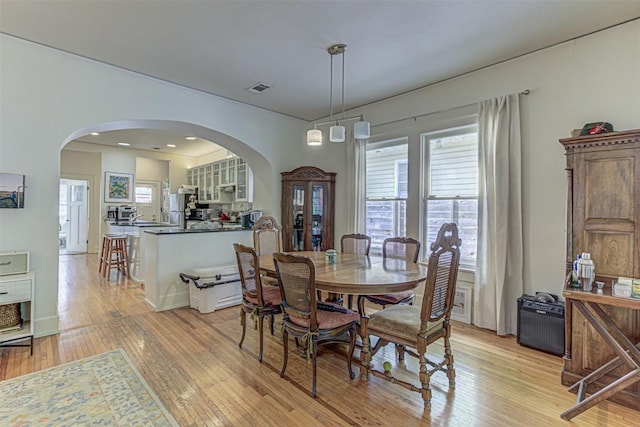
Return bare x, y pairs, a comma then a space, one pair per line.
95, 133
191, 138
124, 144
171, 145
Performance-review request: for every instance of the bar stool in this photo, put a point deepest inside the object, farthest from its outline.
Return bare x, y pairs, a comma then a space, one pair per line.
114, 255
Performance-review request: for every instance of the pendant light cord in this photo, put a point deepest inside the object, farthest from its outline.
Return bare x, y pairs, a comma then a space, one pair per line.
331, 90
343, 55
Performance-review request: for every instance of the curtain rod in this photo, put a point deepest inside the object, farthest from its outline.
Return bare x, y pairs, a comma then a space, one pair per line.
523, 93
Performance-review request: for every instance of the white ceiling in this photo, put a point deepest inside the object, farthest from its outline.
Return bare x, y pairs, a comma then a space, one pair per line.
224, 47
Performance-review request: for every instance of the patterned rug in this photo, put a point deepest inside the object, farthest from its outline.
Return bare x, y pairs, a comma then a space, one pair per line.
105, 390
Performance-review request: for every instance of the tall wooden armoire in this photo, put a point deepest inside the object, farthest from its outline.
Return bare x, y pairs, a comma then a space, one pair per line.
308, 199
603, 218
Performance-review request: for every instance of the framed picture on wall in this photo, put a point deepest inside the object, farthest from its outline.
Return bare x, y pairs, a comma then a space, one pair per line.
118, 187
11, 190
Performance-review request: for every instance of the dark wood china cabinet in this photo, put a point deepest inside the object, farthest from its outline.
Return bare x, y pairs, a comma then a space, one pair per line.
308, 198
603, 218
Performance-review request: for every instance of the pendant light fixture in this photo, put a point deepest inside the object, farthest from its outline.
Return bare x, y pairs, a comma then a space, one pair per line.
337, 131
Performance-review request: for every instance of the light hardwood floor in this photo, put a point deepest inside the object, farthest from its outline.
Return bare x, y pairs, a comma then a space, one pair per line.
193, 363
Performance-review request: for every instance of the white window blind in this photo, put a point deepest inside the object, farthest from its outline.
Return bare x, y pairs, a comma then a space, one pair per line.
387, 184
452, 187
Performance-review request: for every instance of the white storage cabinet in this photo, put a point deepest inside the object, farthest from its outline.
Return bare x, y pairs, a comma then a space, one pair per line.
18, 288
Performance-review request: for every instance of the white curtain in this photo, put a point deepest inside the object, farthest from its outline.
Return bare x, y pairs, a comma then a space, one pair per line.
356, 185
500, 252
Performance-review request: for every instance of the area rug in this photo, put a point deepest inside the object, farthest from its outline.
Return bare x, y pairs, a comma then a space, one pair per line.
104, 390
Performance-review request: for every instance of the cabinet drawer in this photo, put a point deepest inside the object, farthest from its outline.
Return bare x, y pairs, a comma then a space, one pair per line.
14, 263
15, 291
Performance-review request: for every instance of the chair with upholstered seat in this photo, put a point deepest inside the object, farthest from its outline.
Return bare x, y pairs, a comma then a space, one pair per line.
358, 244
309, 322
401, 248
267, 239
418, 327
257, 300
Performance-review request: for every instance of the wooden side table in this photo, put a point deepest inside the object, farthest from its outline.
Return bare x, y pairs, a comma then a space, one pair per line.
590, 305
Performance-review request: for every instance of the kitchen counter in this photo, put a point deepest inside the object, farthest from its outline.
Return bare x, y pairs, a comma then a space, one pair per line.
139, 223
181, 231
165, 253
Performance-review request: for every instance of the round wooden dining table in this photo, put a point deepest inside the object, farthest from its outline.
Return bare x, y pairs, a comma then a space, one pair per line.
358, 274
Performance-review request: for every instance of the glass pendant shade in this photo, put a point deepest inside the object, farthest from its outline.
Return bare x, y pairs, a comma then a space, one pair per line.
314, 137
361, 129
337, 133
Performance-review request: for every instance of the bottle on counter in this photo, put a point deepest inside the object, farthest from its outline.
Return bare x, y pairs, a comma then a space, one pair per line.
574, 275
586, 272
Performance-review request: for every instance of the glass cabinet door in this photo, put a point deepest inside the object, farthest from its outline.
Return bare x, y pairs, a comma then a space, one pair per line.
317, 214
241, 181
208, 185
298, 217
224, 174
216, 182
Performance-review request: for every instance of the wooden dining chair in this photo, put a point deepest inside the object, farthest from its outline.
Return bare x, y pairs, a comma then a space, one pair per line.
310, 322
405, 248
418, 327
267, 239
257, 300
358, 244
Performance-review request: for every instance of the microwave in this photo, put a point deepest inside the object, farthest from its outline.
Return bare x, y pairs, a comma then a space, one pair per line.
125, 212
200, 214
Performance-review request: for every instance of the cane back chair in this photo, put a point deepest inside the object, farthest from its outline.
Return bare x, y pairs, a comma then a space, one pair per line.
418, 327
307, 320
405, 248
267, 239
358, 244
257, 300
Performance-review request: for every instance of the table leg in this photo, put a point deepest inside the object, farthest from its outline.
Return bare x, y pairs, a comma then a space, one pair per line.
628, 354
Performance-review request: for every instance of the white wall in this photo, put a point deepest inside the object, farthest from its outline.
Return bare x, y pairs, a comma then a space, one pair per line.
595, 78
49, 98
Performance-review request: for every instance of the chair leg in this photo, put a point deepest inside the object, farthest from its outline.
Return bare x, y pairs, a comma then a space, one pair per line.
243, 322
285, 347
271, 320
260, 322
448, 355
314, 356
365, 355
425, 378
400, 352
352, 346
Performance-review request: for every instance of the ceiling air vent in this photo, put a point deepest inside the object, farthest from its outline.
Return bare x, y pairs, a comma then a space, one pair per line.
258, 87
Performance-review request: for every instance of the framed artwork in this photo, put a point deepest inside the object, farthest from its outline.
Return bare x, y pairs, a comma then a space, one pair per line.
118, 187
462, 303
11, 190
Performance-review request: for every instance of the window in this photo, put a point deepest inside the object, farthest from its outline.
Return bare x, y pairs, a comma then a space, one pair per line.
144, 195
451, 177
387, 181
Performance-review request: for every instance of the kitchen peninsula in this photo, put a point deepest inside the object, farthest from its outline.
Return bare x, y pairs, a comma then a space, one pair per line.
167, 252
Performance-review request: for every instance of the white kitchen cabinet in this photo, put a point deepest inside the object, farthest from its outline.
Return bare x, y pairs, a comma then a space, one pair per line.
215, 176
244, 182
228, 172
18, 288
223, 181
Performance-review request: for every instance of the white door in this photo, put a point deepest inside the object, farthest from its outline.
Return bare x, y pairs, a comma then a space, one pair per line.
73, 214
148, 200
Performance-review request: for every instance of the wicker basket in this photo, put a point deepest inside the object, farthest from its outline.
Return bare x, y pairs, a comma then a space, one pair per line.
9, 316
